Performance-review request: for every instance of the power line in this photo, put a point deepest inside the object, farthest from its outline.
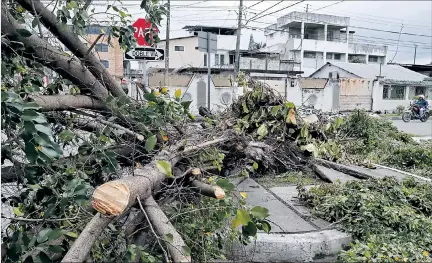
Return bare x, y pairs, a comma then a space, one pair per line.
278, 10
388, 31
264, 11
255, 4
328, 6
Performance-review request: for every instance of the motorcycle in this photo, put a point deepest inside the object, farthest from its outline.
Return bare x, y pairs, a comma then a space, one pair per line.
412, 113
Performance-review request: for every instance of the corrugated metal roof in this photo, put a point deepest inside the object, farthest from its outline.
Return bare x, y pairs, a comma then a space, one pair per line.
371, 71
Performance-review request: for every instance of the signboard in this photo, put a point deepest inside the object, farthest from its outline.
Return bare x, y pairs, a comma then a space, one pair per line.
141, 27
203, 42
145, 53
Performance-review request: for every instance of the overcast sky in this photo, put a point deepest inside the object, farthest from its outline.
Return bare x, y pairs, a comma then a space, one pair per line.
412, 18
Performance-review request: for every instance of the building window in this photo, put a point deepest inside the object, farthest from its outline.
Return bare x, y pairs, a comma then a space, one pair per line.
394, 92
205, 60
308, 54
222, 59
96, 29
179, 48
231, 59
329, 56
101, 47
216, 59
373, 58
337, 56
105, 63
271, 36
415, 91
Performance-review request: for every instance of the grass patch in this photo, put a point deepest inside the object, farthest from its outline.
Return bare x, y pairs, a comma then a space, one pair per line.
289, 179
390, 221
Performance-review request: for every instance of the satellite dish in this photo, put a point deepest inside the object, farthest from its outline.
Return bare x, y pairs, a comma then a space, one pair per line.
187, 97
225, 98
312, 100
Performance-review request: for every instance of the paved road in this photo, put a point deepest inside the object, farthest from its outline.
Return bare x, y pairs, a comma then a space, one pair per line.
415, 127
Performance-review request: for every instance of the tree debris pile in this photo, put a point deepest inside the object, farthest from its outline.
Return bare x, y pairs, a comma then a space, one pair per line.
390, 221
364, 139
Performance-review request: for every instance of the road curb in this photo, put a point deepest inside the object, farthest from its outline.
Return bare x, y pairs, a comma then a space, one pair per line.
298, 247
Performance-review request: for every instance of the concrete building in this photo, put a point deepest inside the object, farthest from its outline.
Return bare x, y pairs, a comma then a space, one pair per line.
111, 56
350, 86
307, 41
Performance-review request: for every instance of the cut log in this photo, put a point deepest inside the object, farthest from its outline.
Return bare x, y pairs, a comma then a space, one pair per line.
163, 227
207, 190
343, 168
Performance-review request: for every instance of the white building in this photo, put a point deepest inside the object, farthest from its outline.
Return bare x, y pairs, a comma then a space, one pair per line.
308, 41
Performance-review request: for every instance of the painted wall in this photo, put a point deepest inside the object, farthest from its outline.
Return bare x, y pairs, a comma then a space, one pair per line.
355, 93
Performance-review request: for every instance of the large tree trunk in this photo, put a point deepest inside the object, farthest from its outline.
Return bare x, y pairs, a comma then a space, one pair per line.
46, 54
68, 102
73, 43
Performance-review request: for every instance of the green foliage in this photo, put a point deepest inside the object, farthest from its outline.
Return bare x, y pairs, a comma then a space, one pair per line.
205, 224
389, 220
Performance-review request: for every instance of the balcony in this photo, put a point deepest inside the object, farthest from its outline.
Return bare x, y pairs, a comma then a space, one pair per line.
360, 48
295, 17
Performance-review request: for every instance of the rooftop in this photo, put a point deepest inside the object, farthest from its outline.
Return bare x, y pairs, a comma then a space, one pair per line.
212, 29
371, 71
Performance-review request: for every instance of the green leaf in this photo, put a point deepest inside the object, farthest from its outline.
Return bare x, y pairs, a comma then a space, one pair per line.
266, 226
290, 105
31, 115
150, 97
260, 212
66, 135
23, 32
165, 168
245, 108
262, 130
71, 234
55, 234
275, 110
186, 250
17, 211
250, 229
243, 216
56, 249
34, 186
43, 235
43, 129
150, 143
186, 104
169, 237
255, 165
44, 258
49, 152
225, 184
122, 14
50, 210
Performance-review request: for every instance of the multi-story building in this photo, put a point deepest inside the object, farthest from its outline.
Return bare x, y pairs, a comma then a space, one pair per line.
111, 56
308, 41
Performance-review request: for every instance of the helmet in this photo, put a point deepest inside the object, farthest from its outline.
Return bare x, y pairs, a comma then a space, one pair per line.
421, 96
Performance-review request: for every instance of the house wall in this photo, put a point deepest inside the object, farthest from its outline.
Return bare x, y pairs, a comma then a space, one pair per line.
324, 72
307, 89
114, 55
190, 56
355, 93
381, 104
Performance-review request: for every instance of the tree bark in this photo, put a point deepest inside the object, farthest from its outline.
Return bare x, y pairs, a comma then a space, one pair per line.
41, 51
207, 190
344, 169
163, 227
74, 44
68, 102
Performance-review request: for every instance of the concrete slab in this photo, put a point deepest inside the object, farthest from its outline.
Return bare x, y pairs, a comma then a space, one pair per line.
334, 175
289, 195
292, 247
282, 218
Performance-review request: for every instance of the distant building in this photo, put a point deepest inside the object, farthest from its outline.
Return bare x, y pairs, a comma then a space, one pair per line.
422, 69
339, 86
111, 56
308, 41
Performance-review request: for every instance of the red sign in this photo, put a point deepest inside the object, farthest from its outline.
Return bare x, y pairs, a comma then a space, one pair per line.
142, 28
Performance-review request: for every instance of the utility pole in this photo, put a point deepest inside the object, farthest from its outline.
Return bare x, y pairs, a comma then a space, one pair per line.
167, 38
415, 53
307, 8
237, 55
208, 70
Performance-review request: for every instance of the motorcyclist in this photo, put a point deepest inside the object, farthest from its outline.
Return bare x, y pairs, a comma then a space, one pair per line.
422, 105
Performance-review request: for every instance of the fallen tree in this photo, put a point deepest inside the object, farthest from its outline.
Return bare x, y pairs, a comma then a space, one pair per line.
101, 177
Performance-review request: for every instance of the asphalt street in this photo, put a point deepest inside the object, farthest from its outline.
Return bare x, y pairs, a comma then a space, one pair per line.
423, 129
